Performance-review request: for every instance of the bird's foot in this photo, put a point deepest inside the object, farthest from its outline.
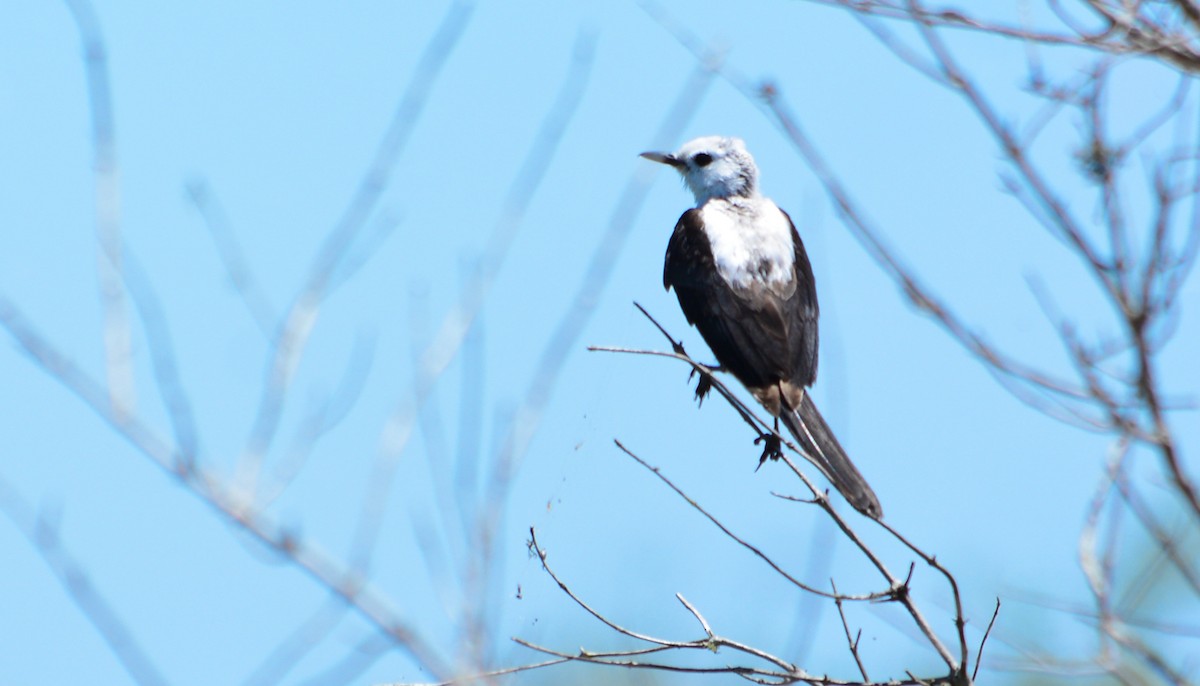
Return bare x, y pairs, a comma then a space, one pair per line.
772, 448
705, 385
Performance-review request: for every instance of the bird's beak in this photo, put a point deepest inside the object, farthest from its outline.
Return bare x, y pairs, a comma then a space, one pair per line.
664, 158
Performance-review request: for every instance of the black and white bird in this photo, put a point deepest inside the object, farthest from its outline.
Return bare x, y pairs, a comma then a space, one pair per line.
744, 280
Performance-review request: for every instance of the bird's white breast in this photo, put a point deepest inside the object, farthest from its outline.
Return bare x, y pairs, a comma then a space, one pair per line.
751, 241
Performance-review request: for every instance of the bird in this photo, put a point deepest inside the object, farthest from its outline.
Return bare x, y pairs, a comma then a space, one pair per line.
744, 280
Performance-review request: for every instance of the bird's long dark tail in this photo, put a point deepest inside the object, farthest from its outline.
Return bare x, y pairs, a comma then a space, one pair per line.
809, 428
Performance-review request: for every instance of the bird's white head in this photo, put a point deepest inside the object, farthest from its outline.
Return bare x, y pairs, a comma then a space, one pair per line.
713, 167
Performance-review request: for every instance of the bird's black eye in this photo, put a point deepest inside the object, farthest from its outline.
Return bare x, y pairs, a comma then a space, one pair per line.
702, 159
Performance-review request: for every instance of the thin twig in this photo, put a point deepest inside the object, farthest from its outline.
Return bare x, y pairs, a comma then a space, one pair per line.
710, 642
167, 379
898, 590
1167, 543
611, 660
851, 641
696, 613
43, 534
741, 541
541, 555
477, 676
224, 239
118, 345
983, 641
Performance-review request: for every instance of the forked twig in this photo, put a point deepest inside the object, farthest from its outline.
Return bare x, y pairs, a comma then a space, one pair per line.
851, 641
784, 673
710, 642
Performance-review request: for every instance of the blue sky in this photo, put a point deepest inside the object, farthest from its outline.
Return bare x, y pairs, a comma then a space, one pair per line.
277, 111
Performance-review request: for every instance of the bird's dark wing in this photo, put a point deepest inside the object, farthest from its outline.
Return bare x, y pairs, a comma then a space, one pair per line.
804, 310
761, 334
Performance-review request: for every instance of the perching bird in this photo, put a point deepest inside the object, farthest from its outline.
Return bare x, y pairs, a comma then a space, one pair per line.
743, 279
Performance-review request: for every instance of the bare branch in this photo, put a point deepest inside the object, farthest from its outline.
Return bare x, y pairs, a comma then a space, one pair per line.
983, 641
262, 313
166, 368
357, 660
473, 678
1167, 542
230, 505
595, 278
742, 542
301, 641
302, 314
451, 333
611, 660
898, 591
696, 613
541, 555
42, 532
851, 641
118, 344
1126, 32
